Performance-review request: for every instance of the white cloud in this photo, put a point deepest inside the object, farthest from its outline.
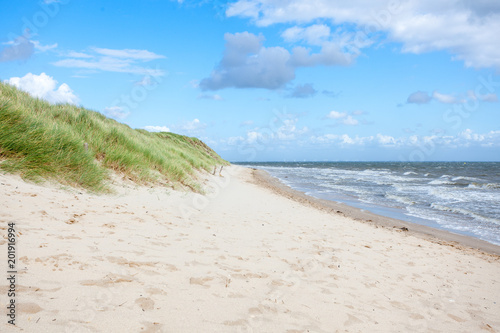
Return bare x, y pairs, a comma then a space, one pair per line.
143, 55
193, 127
254, 136
283, 131
336, 115
247, 8
44, 87
331, 54
386, 140
74, 54
447, 99
343, 118
157, 128
289, 130
350, 121
465, 28
111, 60
314, 35
116, 112
464, 139
43, 48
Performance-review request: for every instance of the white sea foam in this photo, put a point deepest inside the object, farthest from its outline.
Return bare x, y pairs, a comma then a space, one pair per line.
446, 195
463, 211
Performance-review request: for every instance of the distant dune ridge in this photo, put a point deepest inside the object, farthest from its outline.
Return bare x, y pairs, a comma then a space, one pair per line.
79, 147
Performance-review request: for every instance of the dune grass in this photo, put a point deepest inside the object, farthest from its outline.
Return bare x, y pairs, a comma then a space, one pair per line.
79, 147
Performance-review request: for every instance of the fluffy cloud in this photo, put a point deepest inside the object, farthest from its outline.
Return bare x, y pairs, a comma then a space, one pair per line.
314, 35
111, 60
336, 115
193, 127
246, 63
447, 99
349, 120
116, 112
342, 118
44, 87
289, 131
282, 131
157, 128
331, 54
466, 28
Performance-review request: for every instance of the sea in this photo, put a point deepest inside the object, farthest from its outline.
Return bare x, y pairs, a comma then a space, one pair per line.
460, 197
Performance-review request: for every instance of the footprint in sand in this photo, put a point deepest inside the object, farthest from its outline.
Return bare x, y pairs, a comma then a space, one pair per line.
145, 303
29, 308
200, 281
151, 327
352, 320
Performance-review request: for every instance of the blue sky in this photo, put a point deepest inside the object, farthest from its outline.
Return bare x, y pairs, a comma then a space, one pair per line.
273, 80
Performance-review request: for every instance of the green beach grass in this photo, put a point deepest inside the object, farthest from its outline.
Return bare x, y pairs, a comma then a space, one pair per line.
82, 148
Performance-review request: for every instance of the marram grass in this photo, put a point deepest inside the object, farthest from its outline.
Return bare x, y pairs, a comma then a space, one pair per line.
78, 147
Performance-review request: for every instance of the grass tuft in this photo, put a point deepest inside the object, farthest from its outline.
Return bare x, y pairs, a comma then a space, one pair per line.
40, 141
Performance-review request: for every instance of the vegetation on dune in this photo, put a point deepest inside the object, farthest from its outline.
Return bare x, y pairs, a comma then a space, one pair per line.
79, 147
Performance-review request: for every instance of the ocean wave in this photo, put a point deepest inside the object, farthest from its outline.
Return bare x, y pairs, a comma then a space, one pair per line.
484, 186
442, 182
471, 179
463, 211
400, 199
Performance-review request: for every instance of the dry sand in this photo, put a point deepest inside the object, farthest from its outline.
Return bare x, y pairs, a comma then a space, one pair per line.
243, 258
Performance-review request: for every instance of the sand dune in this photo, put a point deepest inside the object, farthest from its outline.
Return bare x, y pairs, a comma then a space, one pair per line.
240, 259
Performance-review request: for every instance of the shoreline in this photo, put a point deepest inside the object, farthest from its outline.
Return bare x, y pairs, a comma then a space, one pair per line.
435, 235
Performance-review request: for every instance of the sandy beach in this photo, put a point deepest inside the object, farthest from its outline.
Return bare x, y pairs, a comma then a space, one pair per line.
248, 256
